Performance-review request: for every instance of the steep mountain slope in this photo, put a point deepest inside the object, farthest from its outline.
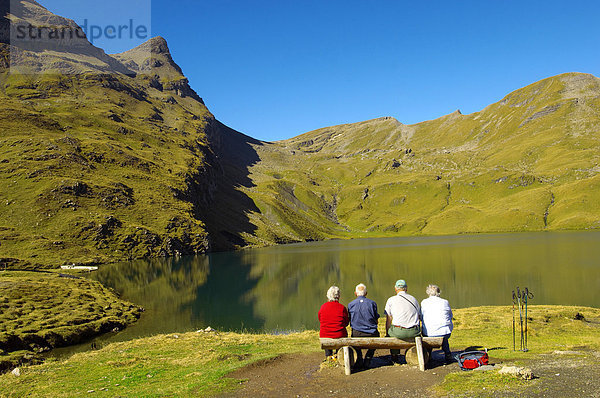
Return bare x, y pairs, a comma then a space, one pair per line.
101, 157
528, 162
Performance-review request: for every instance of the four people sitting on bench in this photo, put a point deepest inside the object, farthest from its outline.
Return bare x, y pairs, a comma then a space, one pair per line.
403, 318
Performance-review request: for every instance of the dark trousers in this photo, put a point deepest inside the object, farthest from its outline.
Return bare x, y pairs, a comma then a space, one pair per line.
446, 347
371, 352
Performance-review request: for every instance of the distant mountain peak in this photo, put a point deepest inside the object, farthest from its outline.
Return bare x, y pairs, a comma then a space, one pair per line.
565, 85
453, 115
152, 56
155, 45
580, 85
34, 11
577, 76
158, 45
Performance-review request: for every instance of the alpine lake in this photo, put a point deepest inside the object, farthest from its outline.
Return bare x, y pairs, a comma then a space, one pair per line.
280, 289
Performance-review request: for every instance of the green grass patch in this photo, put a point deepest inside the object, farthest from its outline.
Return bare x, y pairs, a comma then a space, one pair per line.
196, 364
481, 384
41, 311
185, 365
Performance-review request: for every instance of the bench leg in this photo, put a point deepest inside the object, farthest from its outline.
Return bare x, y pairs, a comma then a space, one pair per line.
419, 344
347, 361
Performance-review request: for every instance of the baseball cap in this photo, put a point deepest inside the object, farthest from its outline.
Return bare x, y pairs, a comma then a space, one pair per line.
400, 283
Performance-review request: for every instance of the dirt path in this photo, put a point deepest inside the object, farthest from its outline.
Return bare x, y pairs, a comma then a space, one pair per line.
299, 376
558, 375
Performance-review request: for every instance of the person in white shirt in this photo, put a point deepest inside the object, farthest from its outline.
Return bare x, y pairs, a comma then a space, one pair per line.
437, 318
402, 316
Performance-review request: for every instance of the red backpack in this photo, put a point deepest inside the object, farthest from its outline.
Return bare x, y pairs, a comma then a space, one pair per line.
472, 359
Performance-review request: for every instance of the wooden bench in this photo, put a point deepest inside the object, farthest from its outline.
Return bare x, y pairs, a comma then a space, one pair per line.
422, 346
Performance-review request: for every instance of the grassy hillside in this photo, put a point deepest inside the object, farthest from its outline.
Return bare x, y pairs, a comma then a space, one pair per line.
101, 158
527, 163
91, 173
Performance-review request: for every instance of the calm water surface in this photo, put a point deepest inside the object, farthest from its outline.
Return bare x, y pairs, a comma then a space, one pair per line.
281, 288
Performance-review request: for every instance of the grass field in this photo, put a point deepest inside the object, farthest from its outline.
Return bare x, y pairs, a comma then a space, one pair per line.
41, 311
194, 364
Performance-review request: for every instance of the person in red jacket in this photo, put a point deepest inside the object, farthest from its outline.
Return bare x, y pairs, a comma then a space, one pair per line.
333, 317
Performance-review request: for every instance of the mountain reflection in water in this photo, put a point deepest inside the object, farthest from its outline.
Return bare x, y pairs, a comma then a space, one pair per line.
281, 288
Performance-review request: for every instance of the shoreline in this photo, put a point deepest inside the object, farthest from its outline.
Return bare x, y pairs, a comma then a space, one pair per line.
32, 266
200, 363
39, 353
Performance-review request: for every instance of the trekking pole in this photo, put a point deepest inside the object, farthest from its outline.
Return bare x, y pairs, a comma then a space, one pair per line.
520, 314
514, 301
526, 296
525, 293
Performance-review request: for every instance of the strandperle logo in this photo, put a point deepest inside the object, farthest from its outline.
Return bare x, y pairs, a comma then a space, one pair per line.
87, 30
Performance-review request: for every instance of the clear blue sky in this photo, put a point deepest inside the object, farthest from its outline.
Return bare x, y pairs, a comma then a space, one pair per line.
275, 69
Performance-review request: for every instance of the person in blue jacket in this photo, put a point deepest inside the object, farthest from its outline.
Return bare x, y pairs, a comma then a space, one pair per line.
363, 320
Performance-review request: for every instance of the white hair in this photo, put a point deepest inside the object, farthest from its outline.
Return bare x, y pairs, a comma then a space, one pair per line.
433, 290
333, 294
361, 289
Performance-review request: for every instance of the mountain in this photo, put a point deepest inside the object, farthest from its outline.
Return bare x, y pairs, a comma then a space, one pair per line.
99, 162
111, 157
529, 162
153, 61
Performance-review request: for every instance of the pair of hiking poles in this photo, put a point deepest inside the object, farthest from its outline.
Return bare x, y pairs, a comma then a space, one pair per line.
520, 298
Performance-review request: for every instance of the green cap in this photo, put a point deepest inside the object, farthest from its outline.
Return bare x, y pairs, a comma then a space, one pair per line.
400, 284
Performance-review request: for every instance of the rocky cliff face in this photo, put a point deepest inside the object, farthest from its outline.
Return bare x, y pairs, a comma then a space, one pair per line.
46, 43
154, 62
